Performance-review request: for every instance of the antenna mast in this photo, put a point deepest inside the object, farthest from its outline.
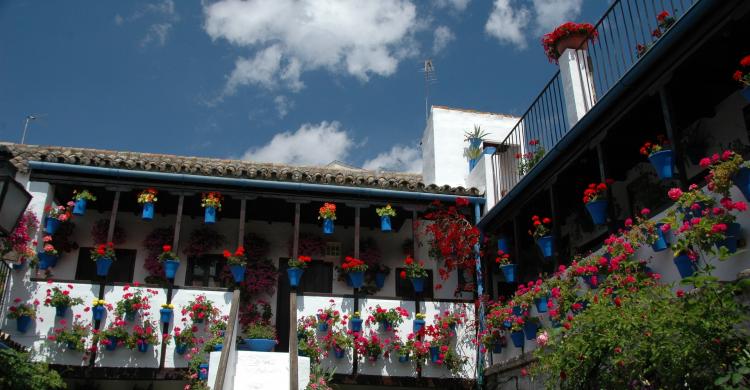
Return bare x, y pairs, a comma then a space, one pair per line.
429, 77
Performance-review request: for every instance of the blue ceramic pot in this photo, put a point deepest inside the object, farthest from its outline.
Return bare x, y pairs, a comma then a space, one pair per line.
475, 142
661, 243
662, 162
517, 338
51, 225
19, 266
541, 304
742, 181
80, 207
385, 326
509, 272
209, 215
181, 349
357, 279
327, 226
218, 347
148, 211
685, 266
260, 345
385, 223
507, 324
323, 326
238, 273
517, 310
338, 352
545, 244
98, 312
203, 371
130, 316
294, 274
60, 311
379, 279
746, 93
143, 347
418, 325
23, 323
403, 358
356, 324
112, 345
503, 244
434, 354
46, 260
732, 236
598, 211
102, 266
166, 315
170, 268
529, 329
418, 284
497, 348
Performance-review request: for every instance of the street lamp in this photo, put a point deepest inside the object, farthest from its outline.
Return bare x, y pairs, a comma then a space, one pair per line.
13, 196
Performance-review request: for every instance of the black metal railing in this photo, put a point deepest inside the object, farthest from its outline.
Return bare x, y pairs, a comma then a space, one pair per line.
625, 34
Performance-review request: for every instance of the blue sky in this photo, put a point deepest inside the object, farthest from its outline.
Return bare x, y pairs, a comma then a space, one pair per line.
292, 81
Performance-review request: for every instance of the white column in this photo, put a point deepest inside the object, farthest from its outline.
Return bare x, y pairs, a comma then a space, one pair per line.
577, 79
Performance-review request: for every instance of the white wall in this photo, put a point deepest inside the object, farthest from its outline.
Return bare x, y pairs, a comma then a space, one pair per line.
443, 142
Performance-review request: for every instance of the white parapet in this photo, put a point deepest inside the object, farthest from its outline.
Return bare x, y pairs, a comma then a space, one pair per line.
262, 370
577, 80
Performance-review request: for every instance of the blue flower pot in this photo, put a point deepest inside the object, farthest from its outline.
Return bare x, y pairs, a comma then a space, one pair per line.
545, 244
112, 343
23, 323
203, 371
181, 349
102, 266
385, 326
357, 279
517, 338
379, 279
418, 284
509, 272
746, 93
541, 304
166, 315
143, 347
60, 311
260, 345
497, 347
434, 354
517, 310
385, 223
51, 225
148, 211
338, 352
418, 325
661, 243
209, 215
80, 207
503, 244
18, 266
662, 162
685, 266
327, 226
507, 324
323, 326
403, 358
130, 316
598, 211
294, 274
170, 268
472, 164
732, 236
98, 312
218, 347
46, 260
238, 273
71, 345
475, 142
356, 324
529, 329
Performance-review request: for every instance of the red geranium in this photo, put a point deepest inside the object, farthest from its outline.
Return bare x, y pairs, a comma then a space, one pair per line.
594, 192
550, 40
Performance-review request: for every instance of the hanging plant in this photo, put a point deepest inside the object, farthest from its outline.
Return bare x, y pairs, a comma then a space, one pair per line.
154, 245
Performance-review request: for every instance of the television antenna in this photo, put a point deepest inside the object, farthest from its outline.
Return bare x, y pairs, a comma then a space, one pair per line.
29, 118
429, 77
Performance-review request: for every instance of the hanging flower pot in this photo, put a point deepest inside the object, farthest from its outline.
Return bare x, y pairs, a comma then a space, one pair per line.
80, 207
166, 314
385, 214
530, 328
517, 310
661, 243
545, 245
98, 312
379, 279
181, 349
662, 162
434, 354
419, 323
80, 199
339, 353
685, 266
327, 226
294, 274
211, 202
517, 338
61, 310
327, 213
503, 244
598, 211
385, 326
507, 324
148, 211
732, 236
385, 223
418, 284
142, 346
170, 268
46, 260
541, 304
357, 279
237, 263
130, 315
209, 215
23, 323
742, 181
51, 225
238, 273
203, 371
112, 342
509, 272
403, 358
102, 266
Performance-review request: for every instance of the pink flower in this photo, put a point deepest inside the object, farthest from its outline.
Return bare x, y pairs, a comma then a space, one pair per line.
674, 193
666, 228
542, 339
645, 211
705, 162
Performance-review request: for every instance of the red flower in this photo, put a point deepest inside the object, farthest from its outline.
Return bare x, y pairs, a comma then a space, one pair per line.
227, 253
462, 202
662, 15
403, 274
745, 61
546, 221
409, 261
167, 248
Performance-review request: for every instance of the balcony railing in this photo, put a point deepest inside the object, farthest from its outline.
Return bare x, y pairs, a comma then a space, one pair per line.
624, 26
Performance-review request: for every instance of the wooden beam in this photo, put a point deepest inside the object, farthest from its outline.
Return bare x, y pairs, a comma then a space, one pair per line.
357, 219
113, 218
241, 234
178, 223
414, 235
295, 241
230, 342
293, 361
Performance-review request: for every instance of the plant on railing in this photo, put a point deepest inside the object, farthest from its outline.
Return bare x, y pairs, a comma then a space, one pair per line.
339, 341
370, 347
113, 336
184, 339
742, 75
568, 35
17, 246
143, 336
328, 316
663, 21
723, 171
528, 160
389, 319
73, 339
61, 300
200, 309
133, 303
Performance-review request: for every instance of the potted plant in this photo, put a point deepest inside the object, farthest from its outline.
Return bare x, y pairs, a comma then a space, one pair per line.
49, 255
402, 349
529, 159
369, 347
131, 303
388, 319
200, 309
568, 35
328, 214
170, 260
147, 198
23, 313
742, 76
114, 335
103, 255
385, 214
214, 344
260, 337
660, 156
516, 331
419, 322
296, 269
74, 339
166, 313
98, 309
542, 235
183, 339
327, 317
55, 216
211, 203
539, 295
355, 270
727, 169
61, 300
237, 263
595, 199
340, 342
356, 322
81, 198
508, 268
416, 272
144, 336
381, 271
473, 154
475, 137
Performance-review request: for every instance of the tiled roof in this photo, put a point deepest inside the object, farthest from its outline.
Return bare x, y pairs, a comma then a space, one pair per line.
22, 154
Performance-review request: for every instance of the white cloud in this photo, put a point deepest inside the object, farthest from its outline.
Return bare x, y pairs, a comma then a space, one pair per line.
458, 5
506, 23
158, 31
311, 144
551, 13
443, 36
283, 105
119, 20
399, 159
356, 38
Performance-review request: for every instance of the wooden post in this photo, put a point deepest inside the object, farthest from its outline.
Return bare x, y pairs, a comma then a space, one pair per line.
356, 230
668, 113
178, 223
414, 234
241, 234
113, 217
293, 361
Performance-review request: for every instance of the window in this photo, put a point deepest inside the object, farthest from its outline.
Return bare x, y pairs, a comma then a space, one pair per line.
205, 271
333, 251
121, 270
404, 288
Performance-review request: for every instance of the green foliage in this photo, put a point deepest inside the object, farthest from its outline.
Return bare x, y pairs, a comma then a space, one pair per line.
260, 331
18, 372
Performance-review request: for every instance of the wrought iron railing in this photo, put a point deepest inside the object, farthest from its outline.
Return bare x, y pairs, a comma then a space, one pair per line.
625, 25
